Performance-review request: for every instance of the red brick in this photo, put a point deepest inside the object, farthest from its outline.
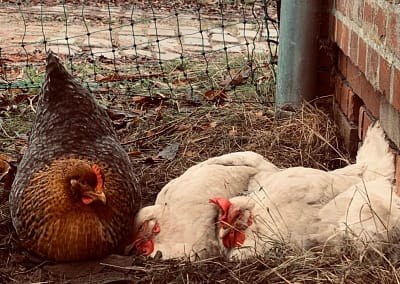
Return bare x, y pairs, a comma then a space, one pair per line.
370, 96
380, 22
345, 40
342, 63
353, 106
354, 77
396, 89
368, 13
384, 77
347, 130
338, 89
362, 55
344, 100
339, 31
365, 120
394, 32
372, 65
332, 27
353, 50
349, 102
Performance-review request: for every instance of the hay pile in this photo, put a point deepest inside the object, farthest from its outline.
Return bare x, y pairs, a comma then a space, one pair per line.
306, 139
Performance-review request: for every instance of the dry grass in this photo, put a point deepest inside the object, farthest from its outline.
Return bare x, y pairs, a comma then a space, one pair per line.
201, 129
308, 138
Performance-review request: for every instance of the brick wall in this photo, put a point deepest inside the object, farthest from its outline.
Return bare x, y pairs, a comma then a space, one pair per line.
366, 36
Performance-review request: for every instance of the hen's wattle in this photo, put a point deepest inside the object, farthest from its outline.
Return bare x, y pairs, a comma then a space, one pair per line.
71, 131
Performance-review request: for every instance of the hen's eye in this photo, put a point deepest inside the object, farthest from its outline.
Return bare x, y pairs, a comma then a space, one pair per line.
238, 215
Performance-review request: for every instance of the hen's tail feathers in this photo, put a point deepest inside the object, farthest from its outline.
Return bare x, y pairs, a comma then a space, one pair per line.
375, 155
54, 67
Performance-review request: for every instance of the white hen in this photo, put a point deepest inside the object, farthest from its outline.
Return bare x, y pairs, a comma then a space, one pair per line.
284, 206
182, 221
368, 213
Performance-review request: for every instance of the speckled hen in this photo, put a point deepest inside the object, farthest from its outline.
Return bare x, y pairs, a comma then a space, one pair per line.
75, 191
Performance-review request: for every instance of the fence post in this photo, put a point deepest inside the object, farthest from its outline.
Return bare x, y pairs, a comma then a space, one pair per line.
298, 52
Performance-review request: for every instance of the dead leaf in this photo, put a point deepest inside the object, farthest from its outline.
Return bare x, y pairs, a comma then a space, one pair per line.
36, 57
212, 124
218, 95
147, 100
169, 152
159, 112
179, 82
8, 168
237, 78
150, 133
116, 114
6, 158
99, 78
4, 169
125, 77
184, 127
134, 153
189, 154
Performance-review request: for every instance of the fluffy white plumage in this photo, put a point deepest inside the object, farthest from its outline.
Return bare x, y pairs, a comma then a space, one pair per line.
182, 221
368, 212
285, 206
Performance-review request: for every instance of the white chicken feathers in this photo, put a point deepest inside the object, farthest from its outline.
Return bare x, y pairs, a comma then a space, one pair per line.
368, 212
186, 218
285, 206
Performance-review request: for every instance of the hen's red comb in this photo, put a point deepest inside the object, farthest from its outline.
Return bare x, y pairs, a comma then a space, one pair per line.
99, 177
224, 204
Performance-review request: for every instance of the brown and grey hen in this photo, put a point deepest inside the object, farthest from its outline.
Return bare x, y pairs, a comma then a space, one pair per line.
75, 192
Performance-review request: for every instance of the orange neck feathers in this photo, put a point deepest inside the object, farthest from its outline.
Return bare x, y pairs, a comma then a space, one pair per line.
100, 183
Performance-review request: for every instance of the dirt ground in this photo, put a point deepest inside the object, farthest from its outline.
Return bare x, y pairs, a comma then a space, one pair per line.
198, 129
306, 139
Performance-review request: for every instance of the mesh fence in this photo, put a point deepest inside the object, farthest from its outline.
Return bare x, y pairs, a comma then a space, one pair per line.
197, 51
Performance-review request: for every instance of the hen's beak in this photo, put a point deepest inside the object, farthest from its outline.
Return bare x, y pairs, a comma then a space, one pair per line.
96, 196
100, 196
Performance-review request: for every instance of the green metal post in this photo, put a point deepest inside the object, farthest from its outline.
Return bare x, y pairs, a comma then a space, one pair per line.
298, 52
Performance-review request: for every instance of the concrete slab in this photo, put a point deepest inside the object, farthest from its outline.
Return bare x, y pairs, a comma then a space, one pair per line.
390, 121
104, 52
219, 35
164, 31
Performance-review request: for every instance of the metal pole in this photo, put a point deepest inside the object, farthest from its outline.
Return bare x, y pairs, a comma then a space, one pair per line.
298, 52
